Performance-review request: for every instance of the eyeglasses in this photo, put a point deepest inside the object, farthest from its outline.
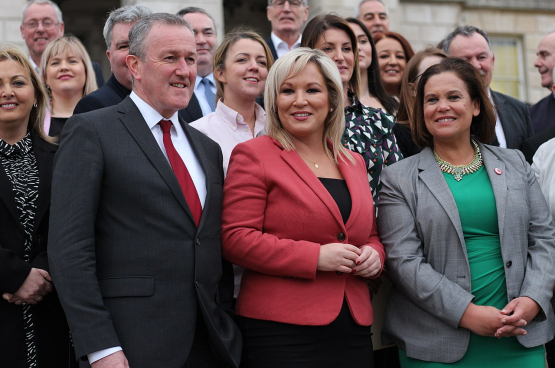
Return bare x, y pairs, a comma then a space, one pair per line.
46, 24
292, 3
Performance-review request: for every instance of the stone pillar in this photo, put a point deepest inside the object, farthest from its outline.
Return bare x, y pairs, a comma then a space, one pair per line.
10, 20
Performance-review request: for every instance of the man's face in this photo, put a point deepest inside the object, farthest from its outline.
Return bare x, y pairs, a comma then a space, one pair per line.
36, 36
546, 60
374, 17
119, 49
206, 41
476, 51
287, 17
166, 78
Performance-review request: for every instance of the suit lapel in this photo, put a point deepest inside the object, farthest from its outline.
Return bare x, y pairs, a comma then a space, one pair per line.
293, 159
432, 177
499, 102
44, 154
498, 183
192, 112
138, 128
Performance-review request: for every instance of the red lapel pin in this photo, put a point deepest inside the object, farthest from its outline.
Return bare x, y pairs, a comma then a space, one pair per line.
497, 171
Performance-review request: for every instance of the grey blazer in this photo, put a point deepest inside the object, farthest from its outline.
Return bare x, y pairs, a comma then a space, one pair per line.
421, 231
130, 265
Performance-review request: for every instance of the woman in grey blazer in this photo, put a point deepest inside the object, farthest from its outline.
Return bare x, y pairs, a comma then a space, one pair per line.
468, 237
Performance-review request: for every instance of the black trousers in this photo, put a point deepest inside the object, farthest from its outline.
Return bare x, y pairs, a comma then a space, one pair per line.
342, 343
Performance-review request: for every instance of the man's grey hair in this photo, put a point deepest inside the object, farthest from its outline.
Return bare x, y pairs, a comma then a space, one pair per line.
139, 32
125, 14
305, 2
194, 9
48, 2
466, 31
357, 9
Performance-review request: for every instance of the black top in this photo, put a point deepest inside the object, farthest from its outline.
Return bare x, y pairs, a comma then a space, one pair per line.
340, 193
56, 126
404, 140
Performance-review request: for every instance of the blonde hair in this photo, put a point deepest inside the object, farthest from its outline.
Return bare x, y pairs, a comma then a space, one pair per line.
38, 112
288, 66
230, 39
71, 43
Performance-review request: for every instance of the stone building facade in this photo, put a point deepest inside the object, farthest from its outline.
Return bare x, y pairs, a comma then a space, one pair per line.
516, 26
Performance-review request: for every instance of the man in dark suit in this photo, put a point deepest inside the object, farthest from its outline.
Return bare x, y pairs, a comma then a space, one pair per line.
135, 245
116, 35
203, 101
287, 18
543, 113
513, 119
42, 23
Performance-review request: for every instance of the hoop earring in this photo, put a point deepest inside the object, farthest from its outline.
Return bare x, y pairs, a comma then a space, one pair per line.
35, 104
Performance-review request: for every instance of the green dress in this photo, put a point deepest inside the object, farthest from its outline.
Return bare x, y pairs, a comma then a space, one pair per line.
476, 204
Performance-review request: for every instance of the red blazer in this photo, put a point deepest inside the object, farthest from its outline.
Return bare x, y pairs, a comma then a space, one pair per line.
276, 216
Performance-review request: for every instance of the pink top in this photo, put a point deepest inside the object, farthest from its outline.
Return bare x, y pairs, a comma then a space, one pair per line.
228, 129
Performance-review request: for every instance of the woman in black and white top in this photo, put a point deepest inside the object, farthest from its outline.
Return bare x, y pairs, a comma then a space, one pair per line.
33, 331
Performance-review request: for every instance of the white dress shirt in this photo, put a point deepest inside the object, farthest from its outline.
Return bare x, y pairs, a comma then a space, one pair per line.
35, 66
281, 46
184, 149
498, 127
201, 96
544, 167
228, 128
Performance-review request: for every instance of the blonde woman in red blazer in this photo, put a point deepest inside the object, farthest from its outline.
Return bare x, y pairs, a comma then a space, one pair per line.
298, 215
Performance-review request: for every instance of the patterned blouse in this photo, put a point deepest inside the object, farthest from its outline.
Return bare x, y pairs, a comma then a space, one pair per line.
369, 132
20, 165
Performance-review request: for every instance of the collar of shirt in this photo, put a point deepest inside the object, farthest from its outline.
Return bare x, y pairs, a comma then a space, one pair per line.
233, 118
35, 66
281, 46
210, 78
22, 147
151, 116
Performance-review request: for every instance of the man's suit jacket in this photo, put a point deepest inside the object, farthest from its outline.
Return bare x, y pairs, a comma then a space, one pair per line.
277, 214
270, 44
543, 114
192, 112
420, 228
110, 94
531, 145
515, 119
51, 330
131, 267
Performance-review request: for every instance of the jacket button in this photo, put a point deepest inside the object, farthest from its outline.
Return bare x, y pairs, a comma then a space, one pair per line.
341, 237
509, 264
197, 241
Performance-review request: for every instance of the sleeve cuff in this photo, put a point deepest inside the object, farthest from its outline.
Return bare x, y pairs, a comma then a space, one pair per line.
97, 355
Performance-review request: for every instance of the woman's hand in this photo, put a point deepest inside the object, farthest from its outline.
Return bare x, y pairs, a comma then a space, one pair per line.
368, 264
34, 288
338, 257
482, 320
517, 313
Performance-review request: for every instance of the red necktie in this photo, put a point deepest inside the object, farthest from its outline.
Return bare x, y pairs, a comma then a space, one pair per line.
181, 172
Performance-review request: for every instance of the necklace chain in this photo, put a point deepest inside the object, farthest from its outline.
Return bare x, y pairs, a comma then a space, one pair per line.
314, 163
458, 171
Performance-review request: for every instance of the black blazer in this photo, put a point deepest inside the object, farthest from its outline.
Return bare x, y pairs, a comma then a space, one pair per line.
515, 119
531, 145
110, 94
131, 266
51, 330
192, 112
270, 44
543, 114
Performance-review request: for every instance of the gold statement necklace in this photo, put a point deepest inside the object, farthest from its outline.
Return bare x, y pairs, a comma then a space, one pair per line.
458, 171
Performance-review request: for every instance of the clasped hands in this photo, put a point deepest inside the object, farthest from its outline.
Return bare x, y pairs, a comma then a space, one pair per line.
37, 284
347, 258
490, 321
